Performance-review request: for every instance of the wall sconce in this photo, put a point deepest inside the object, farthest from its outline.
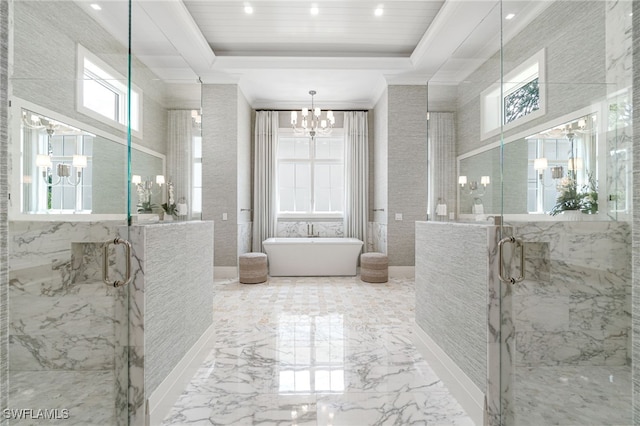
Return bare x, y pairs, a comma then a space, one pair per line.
472, 186
63, 171
557, 172
144, 189
575, 164
540, 165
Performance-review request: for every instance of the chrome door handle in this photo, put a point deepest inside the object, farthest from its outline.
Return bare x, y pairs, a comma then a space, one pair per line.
105, 263
511, 280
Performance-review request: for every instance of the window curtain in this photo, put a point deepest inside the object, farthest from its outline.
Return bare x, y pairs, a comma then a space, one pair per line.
442, 165
265, 220
356, 161
180, 155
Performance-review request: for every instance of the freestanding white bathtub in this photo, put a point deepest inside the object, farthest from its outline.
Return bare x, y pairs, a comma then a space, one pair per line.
297, 257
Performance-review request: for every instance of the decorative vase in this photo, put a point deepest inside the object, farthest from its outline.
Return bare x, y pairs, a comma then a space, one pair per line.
572, 215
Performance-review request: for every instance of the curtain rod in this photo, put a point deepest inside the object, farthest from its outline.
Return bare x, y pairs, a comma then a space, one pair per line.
324, 109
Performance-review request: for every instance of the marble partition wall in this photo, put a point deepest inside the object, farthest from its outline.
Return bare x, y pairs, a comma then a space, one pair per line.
170, 305
452, 292
64, 322
296, 229
574, 307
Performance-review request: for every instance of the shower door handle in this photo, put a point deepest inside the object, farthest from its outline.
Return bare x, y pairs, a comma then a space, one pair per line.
105, 263
502, 242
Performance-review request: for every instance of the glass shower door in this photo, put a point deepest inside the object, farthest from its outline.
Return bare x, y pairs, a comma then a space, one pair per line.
68, 145
566, 148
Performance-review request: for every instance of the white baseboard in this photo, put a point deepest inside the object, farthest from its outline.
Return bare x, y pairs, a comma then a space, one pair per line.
402, 271
470, 397
166, 394
225, 272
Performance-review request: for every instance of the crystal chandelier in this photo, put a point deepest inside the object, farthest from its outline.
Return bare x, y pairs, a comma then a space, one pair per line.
313, 124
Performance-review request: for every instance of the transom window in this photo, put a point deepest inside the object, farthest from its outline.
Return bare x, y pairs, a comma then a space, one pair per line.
518, 99
102, 93
311, 174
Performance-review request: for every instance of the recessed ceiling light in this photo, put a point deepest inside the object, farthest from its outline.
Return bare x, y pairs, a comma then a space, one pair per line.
314, 10
95, 6
510, 16
379, 11
248, 9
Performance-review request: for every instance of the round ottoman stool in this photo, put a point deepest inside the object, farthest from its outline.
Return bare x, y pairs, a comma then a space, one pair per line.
374, 267
252, 268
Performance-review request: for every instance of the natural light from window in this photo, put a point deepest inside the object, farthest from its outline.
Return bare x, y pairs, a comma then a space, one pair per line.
311, 174
102, 93
311, 353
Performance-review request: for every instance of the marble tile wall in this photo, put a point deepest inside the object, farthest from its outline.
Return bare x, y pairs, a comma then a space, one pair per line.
170, 304
4, 184
636, 214
298, 229
574, 307
377, 237
63, 325
245, 237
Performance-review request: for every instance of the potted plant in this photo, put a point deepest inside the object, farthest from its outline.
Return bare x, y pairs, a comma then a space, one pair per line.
145, 205
590, 196
574, 200
569, 199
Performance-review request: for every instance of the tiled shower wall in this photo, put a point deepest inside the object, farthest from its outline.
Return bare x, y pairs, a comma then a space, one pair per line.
574, 307
63, 342
636, 214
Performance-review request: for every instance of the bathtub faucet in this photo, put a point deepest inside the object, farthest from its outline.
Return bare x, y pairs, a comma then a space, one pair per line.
310, 232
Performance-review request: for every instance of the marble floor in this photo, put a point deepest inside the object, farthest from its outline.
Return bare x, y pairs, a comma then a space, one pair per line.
315, 351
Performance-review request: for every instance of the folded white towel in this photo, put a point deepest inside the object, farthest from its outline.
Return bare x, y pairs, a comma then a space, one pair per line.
477, 209
441, 210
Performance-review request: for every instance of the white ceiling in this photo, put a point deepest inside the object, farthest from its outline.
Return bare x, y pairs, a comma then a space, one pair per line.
280, 51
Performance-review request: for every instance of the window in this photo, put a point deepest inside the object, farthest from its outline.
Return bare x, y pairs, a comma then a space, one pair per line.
102, 93
520, 99
311, 174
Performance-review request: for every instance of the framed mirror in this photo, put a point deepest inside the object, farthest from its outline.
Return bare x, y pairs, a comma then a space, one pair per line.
549, 170
68, 168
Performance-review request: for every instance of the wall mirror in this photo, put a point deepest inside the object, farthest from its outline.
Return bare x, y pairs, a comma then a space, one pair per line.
538, 169
67, 169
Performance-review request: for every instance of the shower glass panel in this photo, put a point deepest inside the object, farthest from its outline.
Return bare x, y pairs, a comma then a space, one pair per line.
565, 148
68, 78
